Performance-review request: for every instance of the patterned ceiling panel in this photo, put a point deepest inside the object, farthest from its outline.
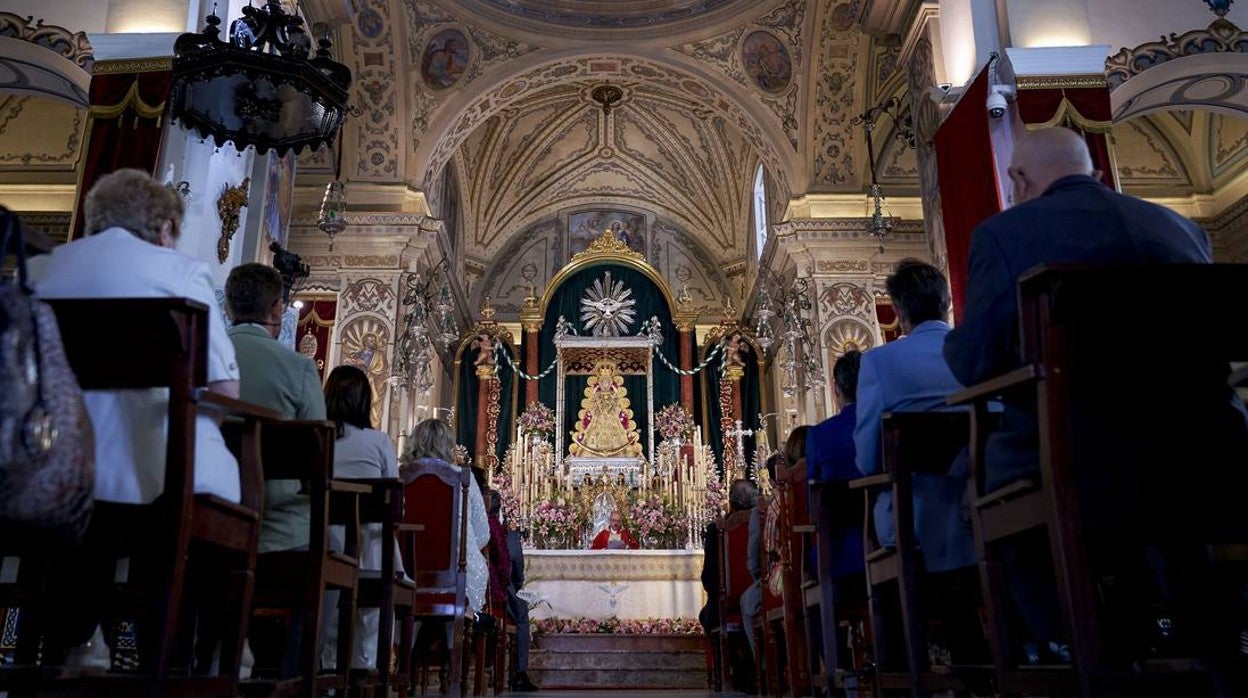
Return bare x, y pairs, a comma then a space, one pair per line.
655, 151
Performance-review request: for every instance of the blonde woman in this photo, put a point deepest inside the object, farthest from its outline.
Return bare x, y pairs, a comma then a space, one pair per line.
432, 441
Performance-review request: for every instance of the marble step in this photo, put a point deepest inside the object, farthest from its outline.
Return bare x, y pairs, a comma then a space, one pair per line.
619, 661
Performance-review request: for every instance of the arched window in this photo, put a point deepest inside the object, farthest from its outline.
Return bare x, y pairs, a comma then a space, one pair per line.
760, 212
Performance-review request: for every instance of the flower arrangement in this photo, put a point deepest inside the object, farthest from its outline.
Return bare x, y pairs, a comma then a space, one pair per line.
657, 522
673, 422
617, 626
554, 523
537, 419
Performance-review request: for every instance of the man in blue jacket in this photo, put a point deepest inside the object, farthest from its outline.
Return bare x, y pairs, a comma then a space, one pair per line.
830, 456
910, 375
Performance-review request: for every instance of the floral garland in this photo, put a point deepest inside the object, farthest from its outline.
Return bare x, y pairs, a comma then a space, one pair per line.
537, 419
616, 626
555, 523
510, 501
673, 422
715, 496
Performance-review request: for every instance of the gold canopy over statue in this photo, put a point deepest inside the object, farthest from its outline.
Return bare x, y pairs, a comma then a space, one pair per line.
604, 425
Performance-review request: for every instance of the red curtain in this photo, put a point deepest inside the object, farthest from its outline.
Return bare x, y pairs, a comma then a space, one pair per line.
126, 127
312, 335
886, 314
967, 175
1084, 109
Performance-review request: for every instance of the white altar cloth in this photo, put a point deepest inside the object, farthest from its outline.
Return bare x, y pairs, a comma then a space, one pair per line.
620, 583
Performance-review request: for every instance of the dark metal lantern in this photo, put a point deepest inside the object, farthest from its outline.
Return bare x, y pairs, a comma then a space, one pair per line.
260, 88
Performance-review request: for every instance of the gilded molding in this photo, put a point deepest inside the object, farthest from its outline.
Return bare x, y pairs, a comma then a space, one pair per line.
133, 65
634, 565
1056, 82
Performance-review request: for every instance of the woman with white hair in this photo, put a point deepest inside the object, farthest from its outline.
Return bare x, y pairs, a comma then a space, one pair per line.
433, 442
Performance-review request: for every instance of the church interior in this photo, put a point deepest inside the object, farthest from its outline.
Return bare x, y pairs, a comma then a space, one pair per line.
625, 275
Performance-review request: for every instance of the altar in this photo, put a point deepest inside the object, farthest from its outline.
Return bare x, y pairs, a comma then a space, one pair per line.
604, 583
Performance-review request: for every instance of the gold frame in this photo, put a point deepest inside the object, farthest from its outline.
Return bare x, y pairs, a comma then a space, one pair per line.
605, 249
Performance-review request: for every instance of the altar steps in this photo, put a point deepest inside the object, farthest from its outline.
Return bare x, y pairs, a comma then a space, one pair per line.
631, 662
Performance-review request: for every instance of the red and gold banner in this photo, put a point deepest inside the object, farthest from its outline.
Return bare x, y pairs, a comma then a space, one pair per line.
1077, 105
125, 126
890, 324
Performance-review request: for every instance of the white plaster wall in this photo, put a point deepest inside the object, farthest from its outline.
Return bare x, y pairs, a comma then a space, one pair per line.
146, 16
1129, 23
969, 34
1042, 23
208, 170
75, 15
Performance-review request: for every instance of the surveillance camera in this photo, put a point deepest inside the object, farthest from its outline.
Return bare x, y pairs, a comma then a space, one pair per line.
998, 100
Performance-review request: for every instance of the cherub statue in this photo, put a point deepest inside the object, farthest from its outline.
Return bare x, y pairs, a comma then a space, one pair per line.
734, 350
485, 346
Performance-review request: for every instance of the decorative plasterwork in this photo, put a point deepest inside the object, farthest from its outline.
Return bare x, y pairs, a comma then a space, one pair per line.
1221, 37
73, 46
656, 151
378, 154
836, 85
1145, 157
699, 97
725, 53
39, 133
636, 566
485, 50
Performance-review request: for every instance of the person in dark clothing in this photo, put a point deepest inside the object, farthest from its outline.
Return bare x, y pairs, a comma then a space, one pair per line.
506, 577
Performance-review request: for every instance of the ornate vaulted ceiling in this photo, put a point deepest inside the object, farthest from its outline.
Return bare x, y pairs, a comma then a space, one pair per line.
1180, 153
656, 150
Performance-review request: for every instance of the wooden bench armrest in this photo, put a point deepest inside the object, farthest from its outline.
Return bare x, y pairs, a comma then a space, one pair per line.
803, 528
349, 487
871, 482
234, 406
1018, 378
1005, 494
409, 528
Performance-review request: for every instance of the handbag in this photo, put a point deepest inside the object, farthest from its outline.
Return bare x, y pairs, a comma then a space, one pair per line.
47, 446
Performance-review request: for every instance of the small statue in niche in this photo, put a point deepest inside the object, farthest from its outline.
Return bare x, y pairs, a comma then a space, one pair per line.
485, 346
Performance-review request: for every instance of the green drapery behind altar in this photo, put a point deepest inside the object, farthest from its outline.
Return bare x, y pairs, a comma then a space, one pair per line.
650, 302
466, 405
751, 404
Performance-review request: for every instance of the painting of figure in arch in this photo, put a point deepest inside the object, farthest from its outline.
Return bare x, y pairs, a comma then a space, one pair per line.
584, 226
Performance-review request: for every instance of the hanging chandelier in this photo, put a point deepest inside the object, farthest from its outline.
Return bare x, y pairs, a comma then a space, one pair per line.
262, 87
417, 346
799, 361
880, 225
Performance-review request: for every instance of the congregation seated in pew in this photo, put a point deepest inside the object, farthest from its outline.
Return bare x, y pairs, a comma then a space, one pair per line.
831, 457
131, 224
1162, 472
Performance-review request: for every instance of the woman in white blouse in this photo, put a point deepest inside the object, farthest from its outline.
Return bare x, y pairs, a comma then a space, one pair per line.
359, 452
432, 440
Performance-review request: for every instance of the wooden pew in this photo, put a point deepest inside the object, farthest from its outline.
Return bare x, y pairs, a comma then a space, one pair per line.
912, 443
294, 582
831, 602
120, 344
767, 650
1070, 351
734, 579
796, 532
386, 590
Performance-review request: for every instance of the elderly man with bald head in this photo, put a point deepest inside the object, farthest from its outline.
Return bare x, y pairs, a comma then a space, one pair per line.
1062, 214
